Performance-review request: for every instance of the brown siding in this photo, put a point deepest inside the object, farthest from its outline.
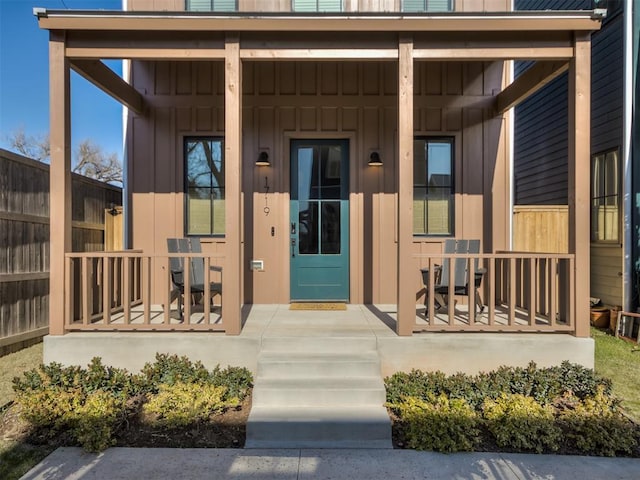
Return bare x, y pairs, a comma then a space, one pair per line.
286, 100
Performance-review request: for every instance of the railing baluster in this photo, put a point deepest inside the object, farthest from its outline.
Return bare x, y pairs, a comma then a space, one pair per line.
451, 298
84, 279
532, 291
187, 290
431, 302
553, 293
207, 290
491, 300
167, 293
471, 290
106, 290
126, 290
512, 291
146, 288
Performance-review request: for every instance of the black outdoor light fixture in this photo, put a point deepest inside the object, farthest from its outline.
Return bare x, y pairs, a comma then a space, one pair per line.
375, 160
263, 160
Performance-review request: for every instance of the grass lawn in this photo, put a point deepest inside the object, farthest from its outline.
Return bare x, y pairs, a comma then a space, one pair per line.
13, 365
16, 457
619, 360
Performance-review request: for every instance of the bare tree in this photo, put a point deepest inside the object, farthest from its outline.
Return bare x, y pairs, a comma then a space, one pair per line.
90, 159
35, 147
93, 162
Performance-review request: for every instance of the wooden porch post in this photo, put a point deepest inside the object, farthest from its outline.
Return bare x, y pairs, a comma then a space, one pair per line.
406, 273
59, 179
231, 311
579, 174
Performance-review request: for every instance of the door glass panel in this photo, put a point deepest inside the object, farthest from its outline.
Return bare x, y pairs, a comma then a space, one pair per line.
307, 174
331, 157
308, 228
330, 227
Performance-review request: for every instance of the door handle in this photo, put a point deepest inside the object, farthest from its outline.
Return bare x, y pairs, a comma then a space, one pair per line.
293, 247
293, 228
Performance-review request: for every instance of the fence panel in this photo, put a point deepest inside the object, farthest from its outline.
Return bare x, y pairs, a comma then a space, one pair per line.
24, 242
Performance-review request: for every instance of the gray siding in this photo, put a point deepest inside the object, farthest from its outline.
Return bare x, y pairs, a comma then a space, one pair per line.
540, 133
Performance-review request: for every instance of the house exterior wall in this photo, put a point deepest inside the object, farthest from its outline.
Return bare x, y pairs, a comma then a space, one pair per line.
541, 132
348, 5
288, 100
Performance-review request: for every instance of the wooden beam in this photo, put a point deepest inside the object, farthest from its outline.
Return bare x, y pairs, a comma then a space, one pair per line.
319, 54
142, 53
579, 178
406, 268
494, 53
59, 179
532, 80
109, 82
232, 274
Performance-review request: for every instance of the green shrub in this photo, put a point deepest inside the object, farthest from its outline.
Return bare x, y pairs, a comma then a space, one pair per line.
180, 404
596, 427
237, 380
440, 424
170, 370
519, 422
48, 407
96, 419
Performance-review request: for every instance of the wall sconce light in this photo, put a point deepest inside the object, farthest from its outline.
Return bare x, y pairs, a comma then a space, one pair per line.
263, 160
375, 160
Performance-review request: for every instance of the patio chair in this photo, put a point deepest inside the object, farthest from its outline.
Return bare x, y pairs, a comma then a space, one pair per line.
196, 274
460, 272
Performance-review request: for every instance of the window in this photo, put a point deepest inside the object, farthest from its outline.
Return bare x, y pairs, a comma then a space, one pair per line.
204, 185
605, 197
211, 6
433, 186
427, 5
316, 5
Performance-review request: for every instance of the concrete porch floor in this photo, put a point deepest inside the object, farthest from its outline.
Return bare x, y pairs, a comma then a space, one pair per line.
449, 352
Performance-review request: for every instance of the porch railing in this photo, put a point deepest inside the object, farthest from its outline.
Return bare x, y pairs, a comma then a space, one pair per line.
520, 292
131, 291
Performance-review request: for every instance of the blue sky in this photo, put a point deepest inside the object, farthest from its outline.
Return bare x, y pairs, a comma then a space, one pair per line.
24, 82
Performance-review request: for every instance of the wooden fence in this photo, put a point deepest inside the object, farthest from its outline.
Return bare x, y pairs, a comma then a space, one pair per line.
541, 228
24, 242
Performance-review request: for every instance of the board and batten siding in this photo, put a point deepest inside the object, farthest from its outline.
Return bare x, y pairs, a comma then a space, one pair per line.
288, 100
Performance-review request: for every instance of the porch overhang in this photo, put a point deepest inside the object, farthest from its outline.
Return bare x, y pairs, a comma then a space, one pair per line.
347, 22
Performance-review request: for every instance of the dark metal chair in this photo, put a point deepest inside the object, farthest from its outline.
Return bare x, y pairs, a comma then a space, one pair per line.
196, 270
460, 272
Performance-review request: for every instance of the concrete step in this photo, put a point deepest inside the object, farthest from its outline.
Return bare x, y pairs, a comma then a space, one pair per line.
319, 344
306, 365
318, 427
318, 391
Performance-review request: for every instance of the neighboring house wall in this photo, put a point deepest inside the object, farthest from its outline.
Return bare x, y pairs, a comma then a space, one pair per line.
540, 137
24, 241
286, 100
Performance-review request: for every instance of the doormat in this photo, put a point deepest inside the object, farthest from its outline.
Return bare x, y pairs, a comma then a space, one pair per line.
318, 306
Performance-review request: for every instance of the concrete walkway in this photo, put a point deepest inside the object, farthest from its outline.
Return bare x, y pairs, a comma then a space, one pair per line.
164, 463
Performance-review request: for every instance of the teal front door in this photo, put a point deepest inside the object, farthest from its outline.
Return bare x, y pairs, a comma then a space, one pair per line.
319, 223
